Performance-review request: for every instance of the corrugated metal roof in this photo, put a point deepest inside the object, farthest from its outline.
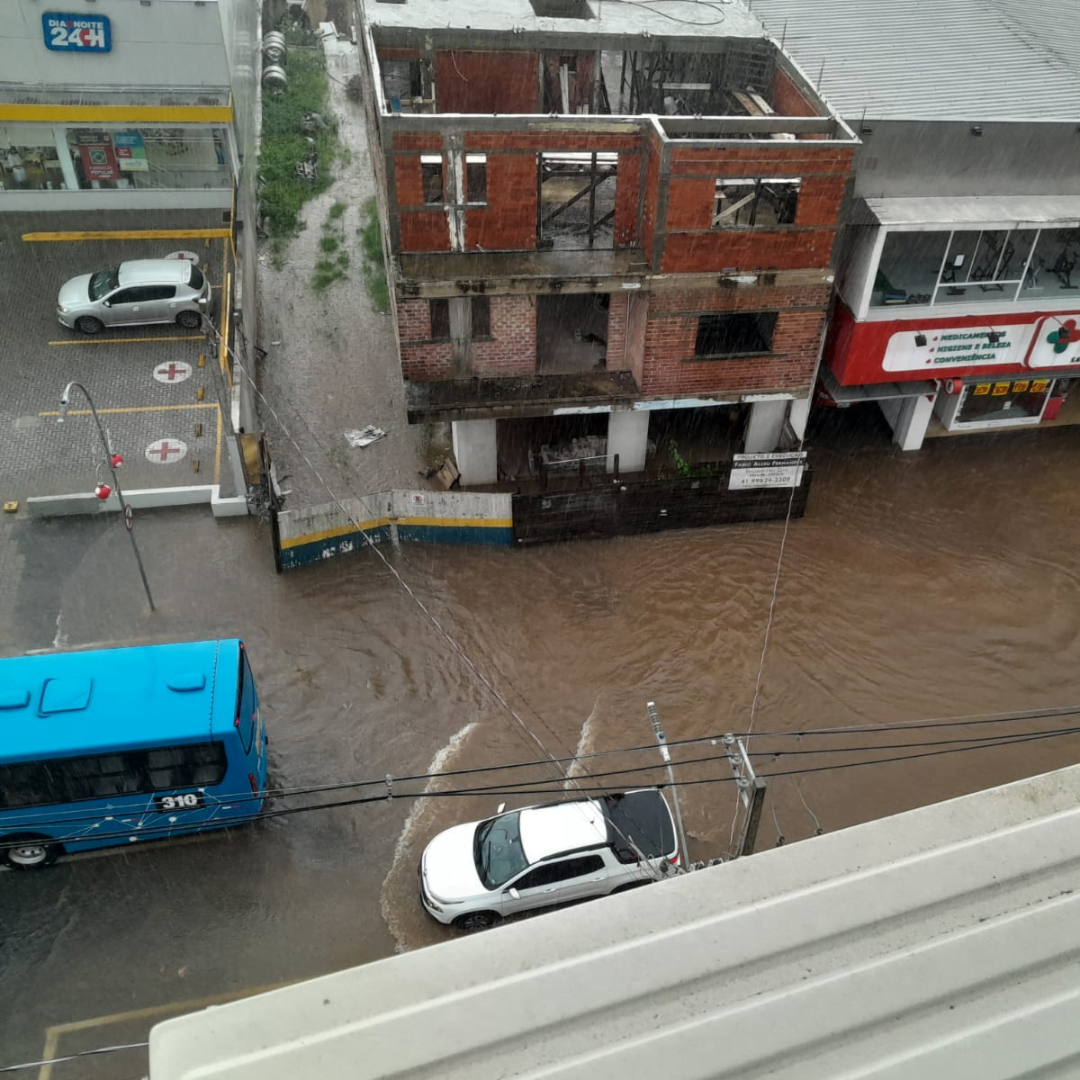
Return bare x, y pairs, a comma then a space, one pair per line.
936, 59
940, 942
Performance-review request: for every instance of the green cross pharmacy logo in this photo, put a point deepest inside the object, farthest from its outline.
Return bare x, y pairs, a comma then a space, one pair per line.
1064, 335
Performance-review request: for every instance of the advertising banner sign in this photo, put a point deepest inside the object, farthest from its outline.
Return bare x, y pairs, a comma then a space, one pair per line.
65, 32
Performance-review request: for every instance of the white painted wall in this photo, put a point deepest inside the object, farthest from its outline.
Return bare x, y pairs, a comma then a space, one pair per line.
170, 43
766, 426
909, 419
475, 451
627, 436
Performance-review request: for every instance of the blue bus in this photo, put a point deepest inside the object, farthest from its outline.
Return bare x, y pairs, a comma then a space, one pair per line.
114, 746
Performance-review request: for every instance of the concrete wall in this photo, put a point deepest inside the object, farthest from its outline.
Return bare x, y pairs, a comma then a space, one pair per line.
926, 158
446, 517
243, 37
177, 43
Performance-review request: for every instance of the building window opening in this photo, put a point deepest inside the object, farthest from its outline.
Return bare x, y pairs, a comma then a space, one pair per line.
476, 178
577, 200
481, 317
761, 203
736, 333
975, 266
407, 85
1054, 267
431, 174
562, 9
572, 333
440, 319
1002, 402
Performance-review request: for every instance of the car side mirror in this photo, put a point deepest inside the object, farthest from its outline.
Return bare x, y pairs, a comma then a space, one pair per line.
513, 893
106, 303
502, 807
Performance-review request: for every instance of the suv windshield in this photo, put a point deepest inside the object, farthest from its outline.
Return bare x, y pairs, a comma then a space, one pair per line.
497, 850
103, 282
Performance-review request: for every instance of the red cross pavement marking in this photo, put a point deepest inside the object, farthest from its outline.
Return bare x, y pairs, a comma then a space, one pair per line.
169, 372
164, 450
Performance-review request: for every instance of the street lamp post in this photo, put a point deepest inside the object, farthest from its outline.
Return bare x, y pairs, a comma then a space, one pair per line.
109, 458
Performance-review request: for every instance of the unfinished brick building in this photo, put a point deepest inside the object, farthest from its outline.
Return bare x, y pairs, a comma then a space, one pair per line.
611, 228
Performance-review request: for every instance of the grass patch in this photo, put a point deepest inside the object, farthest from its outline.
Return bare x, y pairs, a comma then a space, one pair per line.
329, 243
343, 259
283, 194
337, 210
374, 267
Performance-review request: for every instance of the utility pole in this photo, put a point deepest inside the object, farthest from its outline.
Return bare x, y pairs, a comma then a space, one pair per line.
751, 792
112, 460
665, 753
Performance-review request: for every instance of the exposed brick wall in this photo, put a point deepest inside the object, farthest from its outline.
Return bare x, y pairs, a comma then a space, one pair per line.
627, 191
618, 358
510, 351
550, 142
787, 99
408, 176
513, 348
418, 140
670, 332
652, 186
421, 359
508, 222
487, 82
424, 230
747, 250
387, 52
689, 244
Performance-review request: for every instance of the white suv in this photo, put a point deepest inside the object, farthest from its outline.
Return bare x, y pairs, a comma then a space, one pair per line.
476, 874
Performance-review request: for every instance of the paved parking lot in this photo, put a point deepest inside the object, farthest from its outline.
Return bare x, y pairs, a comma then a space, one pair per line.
158, 389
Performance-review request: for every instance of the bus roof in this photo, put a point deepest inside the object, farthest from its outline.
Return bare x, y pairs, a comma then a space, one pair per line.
66, 704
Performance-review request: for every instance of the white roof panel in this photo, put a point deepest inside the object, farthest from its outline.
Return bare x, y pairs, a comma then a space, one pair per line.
936, 59
658, 18
1061, 211
943, 942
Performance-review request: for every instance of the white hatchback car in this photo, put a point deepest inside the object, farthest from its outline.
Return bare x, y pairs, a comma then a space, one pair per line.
476, 874
136, 293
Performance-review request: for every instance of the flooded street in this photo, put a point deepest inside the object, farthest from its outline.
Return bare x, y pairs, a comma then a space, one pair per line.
929, 585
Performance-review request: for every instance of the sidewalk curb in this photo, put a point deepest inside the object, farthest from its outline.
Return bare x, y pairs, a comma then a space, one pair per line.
142, 499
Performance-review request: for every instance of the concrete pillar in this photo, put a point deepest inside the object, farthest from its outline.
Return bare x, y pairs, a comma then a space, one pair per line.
475, 452
766, 426
627, 436
909, 419
63, 154
797, 417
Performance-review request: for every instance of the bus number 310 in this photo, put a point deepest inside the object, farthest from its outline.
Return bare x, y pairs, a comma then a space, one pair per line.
190, 801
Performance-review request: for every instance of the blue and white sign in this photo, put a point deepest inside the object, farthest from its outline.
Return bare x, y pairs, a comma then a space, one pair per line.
76, 33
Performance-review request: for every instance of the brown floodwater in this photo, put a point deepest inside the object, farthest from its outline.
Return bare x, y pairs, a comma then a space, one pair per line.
937, 584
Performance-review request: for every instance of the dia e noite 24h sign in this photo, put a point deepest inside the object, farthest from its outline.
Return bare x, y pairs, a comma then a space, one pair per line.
76, 33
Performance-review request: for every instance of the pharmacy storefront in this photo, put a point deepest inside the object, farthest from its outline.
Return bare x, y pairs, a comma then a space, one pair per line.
985, 373
117, 106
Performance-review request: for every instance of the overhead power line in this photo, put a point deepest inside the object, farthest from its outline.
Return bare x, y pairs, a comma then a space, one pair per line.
64, 818
513, 789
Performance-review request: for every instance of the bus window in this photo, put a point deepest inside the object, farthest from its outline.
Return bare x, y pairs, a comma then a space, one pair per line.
185, 766
245, 704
